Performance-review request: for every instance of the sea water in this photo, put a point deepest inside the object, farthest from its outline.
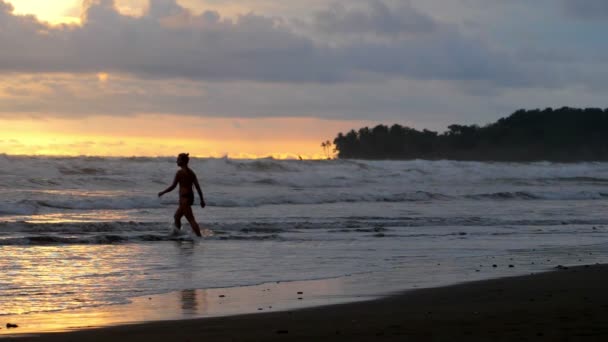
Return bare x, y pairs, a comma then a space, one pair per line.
88, 231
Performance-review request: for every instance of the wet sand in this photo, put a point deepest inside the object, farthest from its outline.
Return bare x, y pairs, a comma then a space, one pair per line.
563, 305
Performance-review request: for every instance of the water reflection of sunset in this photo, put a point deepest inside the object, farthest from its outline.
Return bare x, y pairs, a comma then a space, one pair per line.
188, 304
73, 217
58, 288
50, 278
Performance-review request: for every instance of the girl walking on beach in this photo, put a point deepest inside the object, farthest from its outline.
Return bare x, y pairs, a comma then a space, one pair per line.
186, 178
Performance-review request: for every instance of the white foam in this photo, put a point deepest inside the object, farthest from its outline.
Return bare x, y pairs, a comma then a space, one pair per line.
59, 184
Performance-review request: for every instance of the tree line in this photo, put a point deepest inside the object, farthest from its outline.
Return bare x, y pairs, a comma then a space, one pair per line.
565, 134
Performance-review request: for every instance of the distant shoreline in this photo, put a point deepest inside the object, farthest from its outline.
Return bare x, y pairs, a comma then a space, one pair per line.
558, 135
487, 160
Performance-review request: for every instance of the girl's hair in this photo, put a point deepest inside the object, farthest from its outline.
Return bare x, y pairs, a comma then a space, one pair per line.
184, 156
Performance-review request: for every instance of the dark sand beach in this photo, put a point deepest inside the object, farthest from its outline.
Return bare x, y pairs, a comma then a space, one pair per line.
563, 305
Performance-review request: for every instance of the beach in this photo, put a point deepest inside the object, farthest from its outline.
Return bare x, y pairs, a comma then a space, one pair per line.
80, 252
562, 305
257, 170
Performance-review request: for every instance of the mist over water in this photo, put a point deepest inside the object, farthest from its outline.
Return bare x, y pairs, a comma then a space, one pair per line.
78, 232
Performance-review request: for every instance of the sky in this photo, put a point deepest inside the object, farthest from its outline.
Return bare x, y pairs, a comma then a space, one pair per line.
258, 78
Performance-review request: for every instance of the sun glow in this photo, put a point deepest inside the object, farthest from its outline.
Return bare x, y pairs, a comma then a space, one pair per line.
103, 77
166, 135
66, 111
69, 11
54, 12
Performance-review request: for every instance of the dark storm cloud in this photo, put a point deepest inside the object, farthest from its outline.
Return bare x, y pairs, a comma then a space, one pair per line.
592, 9
171, 41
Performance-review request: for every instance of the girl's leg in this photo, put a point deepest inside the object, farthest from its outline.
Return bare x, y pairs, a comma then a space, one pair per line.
190, 217
178, 217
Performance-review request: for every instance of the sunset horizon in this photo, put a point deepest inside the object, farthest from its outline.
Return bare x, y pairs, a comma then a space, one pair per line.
217, 137
303, 170
252, 78
60, 129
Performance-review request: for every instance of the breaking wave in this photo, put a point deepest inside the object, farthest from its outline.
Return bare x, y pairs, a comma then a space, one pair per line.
96, 233
284, 197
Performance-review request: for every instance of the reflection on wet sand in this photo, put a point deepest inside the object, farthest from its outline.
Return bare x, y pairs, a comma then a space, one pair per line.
79, 270
196, 303
189, 302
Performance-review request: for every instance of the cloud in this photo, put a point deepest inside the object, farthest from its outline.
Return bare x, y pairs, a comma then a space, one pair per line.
162, 9
376, 18
170, 41
431, 104
411, 64
590, 9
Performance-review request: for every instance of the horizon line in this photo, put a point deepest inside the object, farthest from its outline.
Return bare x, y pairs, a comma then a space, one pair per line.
227, 156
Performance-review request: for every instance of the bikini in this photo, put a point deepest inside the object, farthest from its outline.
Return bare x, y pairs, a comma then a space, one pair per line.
189, 197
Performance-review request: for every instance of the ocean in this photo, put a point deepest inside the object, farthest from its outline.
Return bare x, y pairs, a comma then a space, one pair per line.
88, 232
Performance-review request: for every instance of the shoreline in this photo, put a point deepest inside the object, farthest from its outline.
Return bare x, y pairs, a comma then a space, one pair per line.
565, 304
195, 304
270, 296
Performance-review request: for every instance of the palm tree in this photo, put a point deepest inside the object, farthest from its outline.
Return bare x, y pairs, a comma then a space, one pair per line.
326, 145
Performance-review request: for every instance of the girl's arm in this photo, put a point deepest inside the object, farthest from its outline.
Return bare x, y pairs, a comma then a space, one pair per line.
198, 189
170, 188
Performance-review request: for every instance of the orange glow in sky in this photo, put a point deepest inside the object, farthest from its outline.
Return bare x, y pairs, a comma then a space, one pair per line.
146, 134
54, 12
166, 135
69, 11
